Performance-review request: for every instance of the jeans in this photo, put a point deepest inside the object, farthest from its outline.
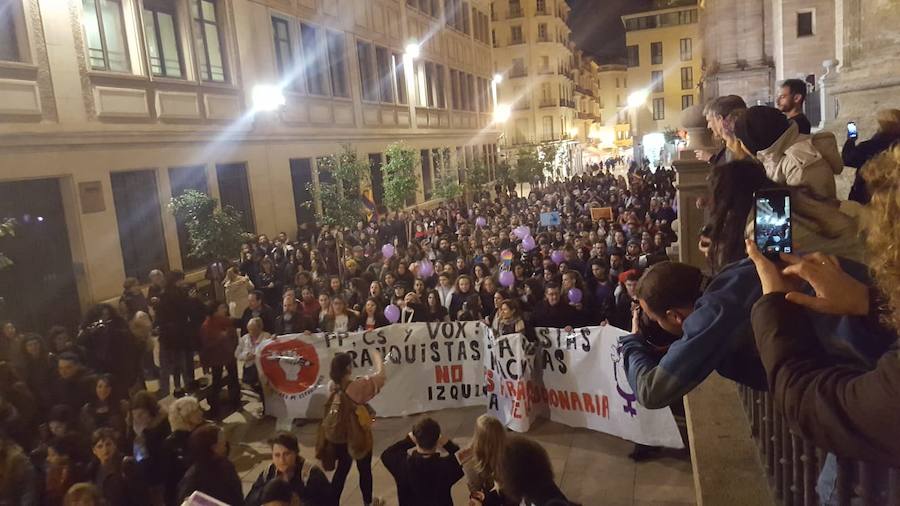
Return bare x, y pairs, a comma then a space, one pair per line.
234, 388
363, 465
177, 363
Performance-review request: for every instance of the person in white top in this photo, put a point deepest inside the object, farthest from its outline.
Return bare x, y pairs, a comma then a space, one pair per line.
237, 288
445, 289
246, 353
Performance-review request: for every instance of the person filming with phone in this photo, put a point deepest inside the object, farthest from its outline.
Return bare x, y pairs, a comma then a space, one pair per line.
856, 155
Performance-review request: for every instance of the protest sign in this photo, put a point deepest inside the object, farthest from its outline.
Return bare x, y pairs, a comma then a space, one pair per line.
550, 219
575, 379
431, 366
601, 213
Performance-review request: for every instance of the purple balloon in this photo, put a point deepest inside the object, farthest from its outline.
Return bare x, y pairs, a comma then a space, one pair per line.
480, 221
557, 257
528, 243
392, 313
426, 269
521, 232
507, 279
575, 295
387, 250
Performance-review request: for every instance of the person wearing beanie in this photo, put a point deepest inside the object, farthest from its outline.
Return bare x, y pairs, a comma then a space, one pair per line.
790, 158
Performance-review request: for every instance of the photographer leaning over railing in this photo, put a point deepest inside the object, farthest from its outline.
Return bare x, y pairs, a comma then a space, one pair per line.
851, 412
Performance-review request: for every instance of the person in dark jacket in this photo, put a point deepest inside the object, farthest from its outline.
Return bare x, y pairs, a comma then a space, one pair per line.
553, 312
105, 470
149, 430
256, 307
307, 481
462, 296
185, 415
791, 100
110, 345
292, 320
424, 477
856, 155
714, 325
211, 472
73, 385
175, 348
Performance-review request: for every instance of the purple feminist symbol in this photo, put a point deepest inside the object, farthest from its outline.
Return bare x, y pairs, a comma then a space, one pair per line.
629, 398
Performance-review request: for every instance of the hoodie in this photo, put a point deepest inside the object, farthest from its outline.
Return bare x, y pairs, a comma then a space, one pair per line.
795, 159
717, 336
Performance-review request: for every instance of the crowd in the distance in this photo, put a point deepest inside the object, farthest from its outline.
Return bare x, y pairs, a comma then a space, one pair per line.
78, 419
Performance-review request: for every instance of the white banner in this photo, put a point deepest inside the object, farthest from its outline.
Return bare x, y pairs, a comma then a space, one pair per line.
575, 379
431, 366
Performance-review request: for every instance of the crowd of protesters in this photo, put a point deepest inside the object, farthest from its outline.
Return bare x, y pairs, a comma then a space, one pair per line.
79, 425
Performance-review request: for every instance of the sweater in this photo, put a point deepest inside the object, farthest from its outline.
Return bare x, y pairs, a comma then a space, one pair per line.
717, 336
422, 480
851, 412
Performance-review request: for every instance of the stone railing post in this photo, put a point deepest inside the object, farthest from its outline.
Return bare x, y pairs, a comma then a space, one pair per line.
690, 183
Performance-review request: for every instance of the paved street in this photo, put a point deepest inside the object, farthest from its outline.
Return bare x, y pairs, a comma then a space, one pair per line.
593, 468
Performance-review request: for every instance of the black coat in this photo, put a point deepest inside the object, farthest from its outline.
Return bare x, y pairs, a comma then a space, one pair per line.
559, 316
174, 319
268, 317
856, 155
217, 478
314, 490
422, 480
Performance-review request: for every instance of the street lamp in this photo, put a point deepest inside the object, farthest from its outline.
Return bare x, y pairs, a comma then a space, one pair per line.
267, 97
638, 98
498, 78
413, 50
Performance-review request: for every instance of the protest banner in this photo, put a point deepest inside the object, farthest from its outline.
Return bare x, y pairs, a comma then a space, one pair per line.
576, 379
601, 213
550, 219
431, 366
573, 378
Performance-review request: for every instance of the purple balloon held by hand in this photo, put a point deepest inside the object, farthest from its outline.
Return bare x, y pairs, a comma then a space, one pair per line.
557, 257
426, 269
392, 313
387, 250
480, 222
528, 243
575, 295
507, 279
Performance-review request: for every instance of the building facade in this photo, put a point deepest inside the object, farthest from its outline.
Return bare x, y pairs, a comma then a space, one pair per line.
614, 132
533, 56
664, 55
109, 108
587, 108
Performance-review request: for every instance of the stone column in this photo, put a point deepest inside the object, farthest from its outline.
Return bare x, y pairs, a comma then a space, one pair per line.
690, 183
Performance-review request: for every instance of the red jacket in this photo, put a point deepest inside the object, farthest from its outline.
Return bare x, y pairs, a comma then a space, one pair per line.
218, 340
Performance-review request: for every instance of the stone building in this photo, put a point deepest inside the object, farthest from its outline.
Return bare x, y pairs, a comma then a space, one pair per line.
108, 108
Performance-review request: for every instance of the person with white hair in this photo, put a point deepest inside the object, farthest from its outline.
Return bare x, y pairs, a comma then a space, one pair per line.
185, 415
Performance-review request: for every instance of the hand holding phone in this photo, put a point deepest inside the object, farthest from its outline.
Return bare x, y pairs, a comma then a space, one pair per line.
852, 132
772, 222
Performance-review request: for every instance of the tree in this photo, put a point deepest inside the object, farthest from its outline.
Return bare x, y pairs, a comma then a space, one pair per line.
399, 175
214, 233
477, 177
549, 159
7, 229
446, 176
529, 167
340, 199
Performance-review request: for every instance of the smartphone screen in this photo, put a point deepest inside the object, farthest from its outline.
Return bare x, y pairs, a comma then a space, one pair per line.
772, 228
851, 130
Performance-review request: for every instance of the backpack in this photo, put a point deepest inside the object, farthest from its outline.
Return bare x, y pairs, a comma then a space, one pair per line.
345, 423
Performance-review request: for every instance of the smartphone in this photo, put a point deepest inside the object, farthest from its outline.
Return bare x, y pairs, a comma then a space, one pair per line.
772, 223
851, 130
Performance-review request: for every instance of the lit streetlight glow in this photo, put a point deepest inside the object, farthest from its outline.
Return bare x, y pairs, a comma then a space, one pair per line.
638, 98
502, 113
267, 97
413, 50
498, 78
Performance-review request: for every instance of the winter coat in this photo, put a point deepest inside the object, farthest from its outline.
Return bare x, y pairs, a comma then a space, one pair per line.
856, 155
218, 340
217, 478
174, 320
309, 483
802, 160
236, 293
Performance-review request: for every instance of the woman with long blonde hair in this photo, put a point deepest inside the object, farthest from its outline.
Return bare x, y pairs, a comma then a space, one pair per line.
481, 460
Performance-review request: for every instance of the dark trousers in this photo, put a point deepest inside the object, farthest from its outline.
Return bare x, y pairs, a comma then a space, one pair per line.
234, 387
363, 465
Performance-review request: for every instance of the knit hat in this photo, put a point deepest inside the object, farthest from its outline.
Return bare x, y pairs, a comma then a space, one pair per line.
760, 127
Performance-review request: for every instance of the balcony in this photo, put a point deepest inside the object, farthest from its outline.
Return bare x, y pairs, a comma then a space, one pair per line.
515, 41
521, 106
567, 103
514, 12
543, 38
583, 91
589, 116
548, 103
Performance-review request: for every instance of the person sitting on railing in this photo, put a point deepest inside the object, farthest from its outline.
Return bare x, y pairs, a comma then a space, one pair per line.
714, 325
851, 412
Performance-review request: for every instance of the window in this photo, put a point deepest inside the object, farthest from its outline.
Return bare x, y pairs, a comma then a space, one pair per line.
282, 38
301, 182
470, 81
518, 68
316, 78
9, 45
805, 24
366, 71
515, 36
656, 79
465, 18
454, 89
634, 56
656, 53
541, 6
686, 101
545, 63
687, 49
659, 109
547, 123
337, 64
439, 86
687, 78
209, 43
161, 34
234, 191
400, 76
493, 37
385, 80
104, 30
542, 33
425, 156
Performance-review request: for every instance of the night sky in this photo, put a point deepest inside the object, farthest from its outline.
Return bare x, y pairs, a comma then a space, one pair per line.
597, 27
